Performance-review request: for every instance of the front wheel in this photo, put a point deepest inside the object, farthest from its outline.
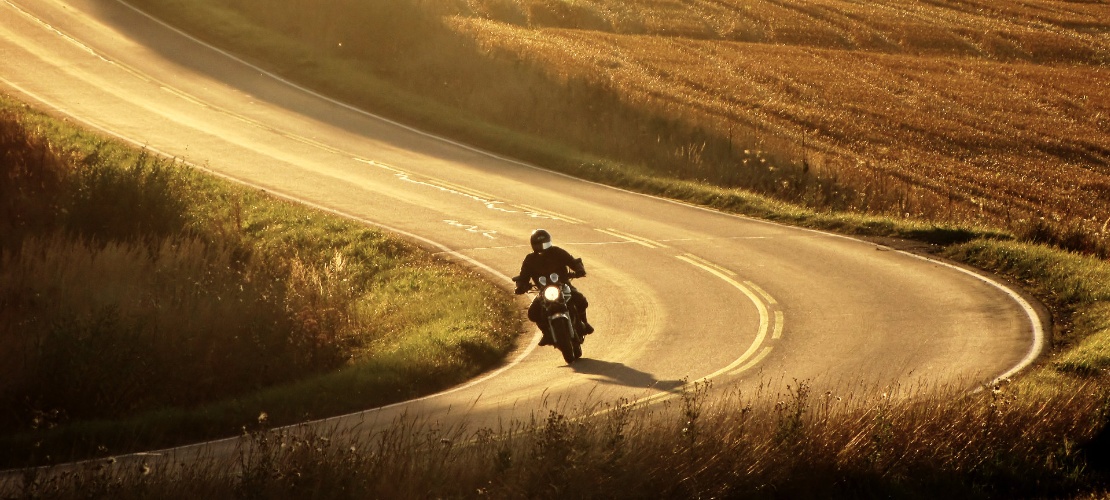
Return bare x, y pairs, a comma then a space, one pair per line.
561, 331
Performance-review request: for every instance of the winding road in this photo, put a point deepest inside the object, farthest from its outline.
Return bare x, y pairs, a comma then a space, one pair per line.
677, 292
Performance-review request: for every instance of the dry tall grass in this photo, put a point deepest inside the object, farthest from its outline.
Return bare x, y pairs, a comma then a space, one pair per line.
103, 330
111, 306
778, 440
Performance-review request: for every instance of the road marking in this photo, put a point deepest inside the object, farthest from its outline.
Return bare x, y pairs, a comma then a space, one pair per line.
639, 238
549, 214
486, 199
626, 238
764, 315
710, 264
305, 140
489, 200
731, 369
778, 325
380, 165
632, 238
462, 189
753, 362
185, 97
470, 228
766, 296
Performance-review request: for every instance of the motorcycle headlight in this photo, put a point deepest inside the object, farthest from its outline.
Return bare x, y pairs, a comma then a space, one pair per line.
552, 293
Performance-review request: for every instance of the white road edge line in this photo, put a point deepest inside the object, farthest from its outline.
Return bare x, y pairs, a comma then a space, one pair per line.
1031, 313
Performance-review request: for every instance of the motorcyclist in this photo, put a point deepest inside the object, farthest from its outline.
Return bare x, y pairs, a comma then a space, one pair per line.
544, 260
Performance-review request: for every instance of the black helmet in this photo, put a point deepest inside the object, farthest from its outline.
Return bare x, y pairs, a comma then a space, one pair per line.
541, 240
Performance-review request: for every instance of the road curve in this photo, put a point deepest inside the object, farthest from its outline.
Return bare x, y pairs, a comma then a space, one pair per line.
677, 292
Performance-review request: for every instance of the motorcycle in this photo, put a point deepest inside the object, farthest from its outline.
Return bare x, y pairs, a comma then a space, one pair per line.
561, 317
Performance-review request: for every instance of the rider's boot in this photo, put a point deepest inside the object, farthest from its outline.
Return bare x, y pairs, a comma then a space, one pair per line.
546, 338
584, 326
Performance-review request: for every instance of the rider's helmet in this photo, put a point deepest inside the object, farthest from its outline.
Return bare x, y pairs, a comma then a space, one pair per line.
541, 240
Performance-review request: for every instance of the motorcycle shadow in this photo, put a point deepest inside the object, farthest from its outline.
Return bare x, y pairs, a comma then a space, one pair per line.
608, 372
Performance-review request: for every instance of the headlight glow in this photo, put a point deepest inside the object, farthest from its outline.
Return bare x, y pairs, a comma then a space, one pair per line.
552, 293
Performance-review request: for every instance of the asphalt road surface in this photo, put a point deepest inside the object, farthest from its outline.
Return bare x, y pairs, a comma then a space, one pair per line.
677, 292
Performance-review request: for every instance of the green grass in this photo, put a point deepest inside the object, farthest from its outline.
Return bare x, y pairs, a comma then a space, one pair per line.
146, 304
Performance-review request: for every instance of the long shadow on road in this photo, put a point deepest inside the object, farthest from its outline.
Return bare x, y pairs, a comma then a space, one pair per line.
608, 372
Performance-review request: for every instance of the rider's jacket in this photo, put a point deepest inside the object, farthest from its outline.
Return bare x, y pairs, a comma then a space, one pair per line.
543, 263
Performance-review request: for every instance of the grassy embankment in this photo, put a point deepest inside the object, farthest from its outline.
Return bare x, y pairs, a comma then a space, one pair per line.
147, 304
982, 129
